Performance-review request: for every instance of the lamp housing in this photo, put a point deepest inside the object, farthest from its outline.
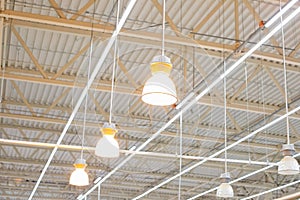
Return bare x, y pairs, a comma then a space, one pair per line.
225, 189
79, 177
288, 165
160, 90
108, 146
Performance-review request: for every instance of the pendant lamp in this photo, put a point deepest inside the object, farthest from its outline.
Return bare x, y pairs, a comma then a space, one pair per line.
79, 177
108, 146
160, 90
288, 165
225, 189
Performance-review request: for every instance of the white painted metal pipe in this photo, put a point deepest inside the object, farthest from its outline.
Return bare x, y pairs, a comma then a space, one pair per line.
272, 190
85, 90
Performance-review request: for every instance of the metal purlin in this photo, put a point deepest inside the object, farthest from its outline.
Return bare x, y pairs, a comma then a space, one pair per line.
84, 92
213, 84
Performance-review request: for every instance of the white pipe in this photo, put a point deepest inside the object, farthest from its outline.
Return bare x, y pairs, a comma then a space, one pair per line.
85, 90
238, 179
280, 13
235, 65
290, 197
272, 190
255, 47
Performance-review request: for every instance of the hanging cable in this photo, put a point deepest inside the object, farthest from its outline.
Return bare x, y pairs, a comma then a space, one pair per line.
86, 97
225, 122
180, 158
163, 29
114, 68
247, 107
285, 81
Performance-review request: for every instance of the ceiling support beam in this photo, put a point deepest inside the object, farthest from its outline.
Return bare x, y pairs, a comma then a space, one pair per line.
20, 93
57, 9
142, 153
71, 61
134, 129
206, 18
84, 28
83, 9
29, 52
266, 31
105, 87
168, 19
273, 189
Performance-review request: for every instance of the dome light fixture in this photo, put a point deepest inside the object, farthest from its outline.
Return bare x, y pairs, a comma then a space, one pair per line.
79, 177
288, 165
159, 90
225, 189
108, 146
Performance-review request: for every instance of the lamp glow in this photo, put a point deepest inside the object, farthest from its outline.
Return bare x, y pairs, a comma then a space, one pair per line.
225, 189
288, 165
108, 146
79, 177
160, 90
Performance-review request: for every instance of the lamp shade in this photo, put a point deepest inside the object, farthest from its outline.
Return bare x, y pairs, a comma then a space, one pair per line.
225, 190
79, 177
159, 90
107, 147
288, 166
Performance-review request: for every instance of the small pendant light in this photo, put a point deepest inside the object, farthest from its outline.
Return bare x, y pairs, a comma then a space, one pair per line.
79, 177
108, 146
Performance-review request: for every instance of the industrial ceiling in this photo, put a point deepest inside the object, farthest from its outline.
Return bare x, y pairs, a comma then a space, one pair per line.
55, 53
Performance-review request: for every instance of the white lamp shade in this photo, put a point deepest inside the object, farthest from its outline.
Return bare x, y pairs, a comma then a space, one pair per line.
107, 147
225, 190
79, 177
159, 90
288, 166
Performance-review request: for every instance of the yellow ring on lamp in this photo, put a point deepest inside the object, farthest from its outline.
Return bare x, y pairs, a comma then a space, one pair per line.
108, 131
161, 67
79, 165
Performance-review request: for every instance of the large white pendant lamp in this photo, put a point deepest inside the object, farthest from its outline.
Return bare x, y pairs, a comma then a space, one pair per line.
79, 177
159, 90
288, 165
108, 146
